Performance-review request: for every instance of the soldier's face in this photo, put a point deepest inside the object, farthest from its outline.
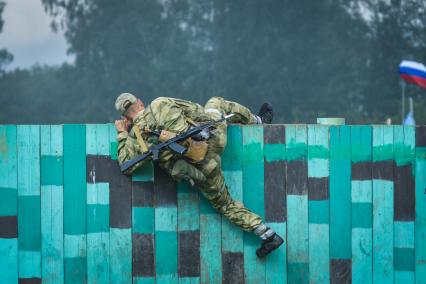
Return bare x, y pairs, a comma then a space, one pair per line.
134, 109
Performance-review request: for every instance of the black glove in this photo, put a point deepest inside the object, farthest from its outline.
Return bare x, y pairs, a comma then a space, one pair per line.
203, 135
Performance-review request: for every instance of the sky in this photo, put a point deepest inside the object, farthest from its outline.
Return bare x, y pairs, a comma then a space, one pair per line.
28, 36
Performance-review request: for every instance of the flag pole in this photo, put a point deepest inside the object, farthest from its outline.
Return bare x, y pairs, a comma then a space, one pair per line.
402, 102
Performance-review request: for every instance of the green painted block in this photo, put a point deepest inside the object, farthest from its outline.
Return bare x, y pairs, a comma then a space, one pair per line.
319, 151
274, 152
97, 218
8, 201
383, 148
113, 152
51, 170
361, 215
318, 211
189, 280
361, 143
143, 220
404, 259
29, 235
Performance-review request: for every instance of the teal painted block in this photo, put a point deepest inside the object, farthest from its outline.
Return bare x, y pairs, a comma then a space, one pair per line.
276, 262
362, 255
52, 239
75, 246
320, 150
383, 257
51, 170
8, 157
120, 255
404, 259
29, 263
74, 179
29, 235
383, 148
274, 152
295, 140
28, 156
8, 201
143, 280
340, 193
319, 253
420, 223
404, 144
298, 273
189, 280
9, 260
404, 277
404, 234
210, 248
97, 142
98, 257
232, 235
206, 207
143, 220
253, 171
362, 191
318, 168
298, 232
253, 198
75, 270
166, 219
166, 251
318, 211
361, 215
98, 193
97, 218
188, 207
233, 153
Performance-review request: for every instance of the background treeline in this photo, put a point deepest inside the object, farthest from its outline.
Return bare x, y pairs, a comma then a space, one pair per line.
308, 58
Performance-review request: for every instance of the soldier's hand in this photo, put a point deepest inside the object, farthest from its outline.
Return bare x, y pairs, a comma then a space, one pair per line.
122, 125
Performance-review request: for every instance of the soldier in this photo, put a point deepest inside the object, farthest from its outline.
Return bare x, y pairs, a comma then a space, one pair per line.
201, 165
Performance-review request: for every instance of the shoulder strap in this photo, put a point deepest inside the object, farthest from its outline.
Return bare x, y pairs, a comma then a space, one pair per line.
139, 138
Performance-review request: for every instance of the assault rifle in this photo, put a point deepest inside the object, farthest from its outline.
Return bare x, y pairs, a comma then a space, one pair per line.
171, 144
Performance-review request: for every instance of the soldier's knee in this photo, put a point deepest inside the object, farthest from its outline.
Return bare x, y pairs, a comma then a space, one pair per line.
182, 170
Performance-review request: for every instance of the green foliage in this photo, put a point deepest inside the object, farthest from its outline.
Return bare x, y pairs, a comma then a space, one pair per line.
5, 56
308, 58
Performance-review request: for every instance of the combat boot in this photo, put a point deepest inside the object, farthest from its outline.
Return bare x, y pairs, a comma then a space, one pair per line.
269, 244
266, 113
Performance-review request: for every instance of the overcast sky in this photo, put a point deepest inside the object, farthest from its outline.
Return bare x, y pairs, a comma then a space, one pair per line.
28, 36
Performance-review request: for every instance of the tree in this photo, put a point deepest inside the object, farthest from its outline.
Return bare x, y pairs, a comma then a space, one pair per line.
5, 56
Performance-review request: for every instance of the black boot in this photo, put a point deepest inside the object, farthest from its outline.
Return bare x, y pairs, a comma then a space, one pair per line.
268, 245
266, 113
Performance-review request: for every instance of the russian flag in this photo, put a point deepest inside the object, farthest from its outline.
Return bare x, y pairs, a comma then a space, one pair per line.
413, 72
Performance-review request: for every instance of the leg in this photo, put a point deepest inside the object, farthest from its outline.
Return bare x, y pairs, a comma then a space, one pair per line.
243, 114
216, 192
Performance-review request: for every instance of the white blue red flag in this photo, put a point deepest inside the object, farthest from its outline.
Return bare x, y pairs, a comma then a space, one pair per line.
413, 72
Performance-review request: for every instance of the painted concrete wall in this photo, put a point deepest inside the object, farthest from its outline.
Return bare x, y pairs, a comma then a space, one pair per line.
349, 200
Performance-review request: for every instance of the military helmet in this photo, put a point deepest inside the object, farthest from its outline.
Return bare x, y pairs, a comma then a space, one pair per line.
124, 101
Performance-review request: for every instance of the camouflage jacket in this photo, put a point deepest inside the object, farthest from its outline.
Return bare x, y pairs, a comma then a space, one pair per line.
162, 114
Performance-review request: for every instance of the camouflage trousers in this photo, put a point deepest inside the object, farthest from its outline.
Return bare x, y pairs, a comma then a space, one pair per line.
208, 177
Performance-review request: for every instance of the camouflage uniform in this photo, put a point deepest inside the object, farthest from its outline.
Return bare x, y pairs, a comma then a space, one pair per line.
171, 114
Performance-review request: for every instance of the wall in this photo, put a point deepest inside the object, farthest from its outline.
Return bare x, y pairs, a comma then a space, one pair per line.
350, 202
